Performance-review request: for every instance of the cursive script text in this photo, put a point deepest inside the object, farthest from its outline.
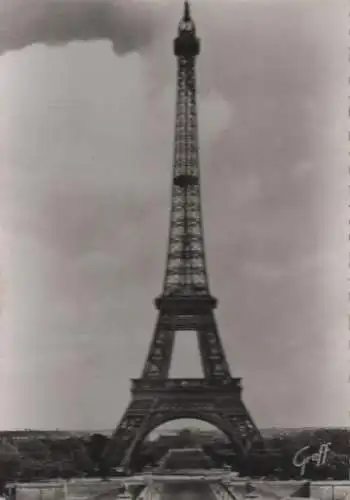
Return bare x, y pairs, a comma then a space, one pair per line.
301, 458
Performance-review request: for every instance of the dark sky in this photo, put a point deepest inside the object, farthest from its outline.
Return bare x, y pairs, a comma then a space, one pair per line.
86, 133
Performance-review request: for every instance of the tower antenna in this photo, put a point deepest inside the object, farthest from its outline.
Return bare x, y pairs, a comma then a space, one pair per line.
187, 11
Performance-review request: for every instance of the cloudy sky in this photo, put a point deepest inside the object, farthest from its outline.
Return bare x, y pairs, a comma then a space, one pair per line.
86, 129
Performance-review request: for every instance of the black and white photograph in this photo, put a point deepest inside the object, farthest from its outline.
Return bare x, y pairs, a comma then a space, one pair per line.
174, 249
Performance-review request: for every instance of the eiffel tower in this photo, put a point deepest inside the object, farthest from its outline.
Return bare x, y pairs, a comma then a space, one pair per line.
186, 303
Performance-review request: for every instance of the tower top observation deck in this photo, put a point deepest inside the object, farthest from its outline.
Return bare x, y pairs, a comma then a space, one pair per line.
186, 44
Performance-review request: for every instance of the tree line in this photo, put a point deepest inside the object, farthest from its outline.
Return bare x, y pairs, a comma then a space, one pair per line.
33, 459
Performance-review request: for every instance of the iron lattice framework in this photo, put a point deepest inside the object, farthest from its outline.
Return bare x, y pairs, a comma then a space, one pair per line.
186, 302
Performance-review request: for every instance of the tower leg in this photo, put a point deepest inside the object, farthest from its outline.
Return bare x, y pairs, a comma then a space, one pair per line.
127, 435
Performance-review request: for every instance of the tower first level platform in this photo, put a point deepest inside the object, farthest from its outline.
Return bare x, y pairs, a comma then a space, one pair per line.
155, 402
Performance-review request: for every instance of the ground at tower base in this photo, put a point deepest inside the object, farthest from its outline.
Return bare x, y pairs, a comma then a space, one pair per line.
182, 490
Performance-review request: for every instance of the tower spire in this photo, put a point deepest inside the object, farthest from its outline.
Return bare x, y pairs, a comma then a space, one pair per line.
187, 11
186, 25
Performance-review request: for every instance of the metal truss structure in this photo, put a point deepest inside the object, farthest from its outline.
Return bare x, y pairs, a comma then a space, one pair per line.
186, 302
